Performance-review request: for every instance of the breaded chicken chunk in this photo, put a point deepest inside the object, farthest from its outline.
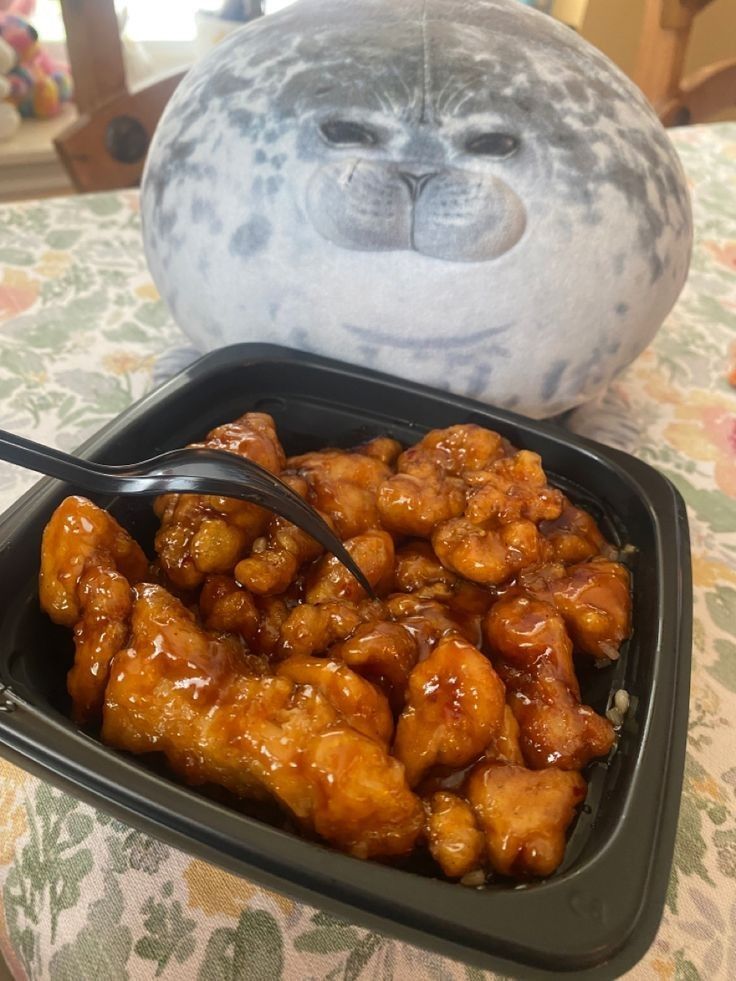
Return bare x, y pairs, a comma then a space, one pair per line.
363, 706
383, 652
343, 485
201, 700
524, 815
573, 536
88, 564
202, 534
454, 839
455, 703
593, 598
329, 580
428, 488
311, 628
532, 653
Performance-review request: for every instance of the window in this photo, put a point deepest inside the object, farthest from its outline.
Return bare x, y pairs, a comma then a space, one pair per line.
146, 20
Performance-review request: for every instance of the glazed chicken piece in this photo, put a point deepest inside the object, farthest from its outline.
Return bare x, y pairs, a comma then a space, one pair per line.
525, 634
420, 572
199, 699
429, 621
252, 435
453, 451
454, 707
343, 485
488, 554
417, 567
453, 837
362, 802
88, 563
384, 653
382, 448
497, 536
574, 536
357, 700
593, 598
276, 556
80, 536
202, 534
329, 580
524, 815
532, 653
510, 489
521, 814
428, 488
409, 504
312, 628
505, 746
227, 607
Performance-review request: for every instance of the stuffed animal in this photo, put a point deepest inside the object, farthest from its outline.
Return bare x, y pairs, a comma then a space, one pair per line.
9, 115
461, 192
40, 85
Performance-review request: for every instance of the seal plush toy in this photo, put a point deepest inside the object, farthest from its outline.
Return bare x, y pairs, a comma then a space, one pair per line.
462, 193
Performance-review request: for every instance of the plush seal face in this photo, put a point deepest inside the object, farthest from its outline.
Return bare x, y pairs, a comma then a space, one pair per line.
460, 192
393, 180
425, 205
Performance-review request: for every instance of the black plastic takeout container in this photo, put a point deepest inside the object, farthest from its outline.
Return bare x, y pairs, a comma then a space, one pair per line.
598, 914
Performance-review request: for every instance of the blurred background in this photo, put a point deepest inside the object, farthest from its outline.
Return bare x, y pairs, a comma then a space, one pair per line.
124, 58
168, 28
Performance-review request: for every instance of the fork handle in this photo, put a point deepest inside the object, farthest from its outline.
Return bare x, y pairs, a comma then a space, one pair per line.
43, 459
98, 479
92, 477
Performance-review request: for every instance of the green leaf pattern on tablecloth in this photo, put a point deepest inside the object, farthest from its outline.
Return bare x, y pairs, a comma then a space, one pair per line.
168, 931
81, 324
253, 948
84, 896
46, 879
101, 949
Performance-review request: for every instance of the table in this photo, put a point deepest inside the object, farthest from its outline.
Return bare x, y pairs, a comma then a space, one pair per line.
29, 165
83, 896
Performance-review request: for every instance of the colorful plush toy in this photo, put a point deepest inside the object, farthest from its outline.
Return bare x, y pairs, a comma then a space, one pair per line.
9, 115
39, 84
22, 8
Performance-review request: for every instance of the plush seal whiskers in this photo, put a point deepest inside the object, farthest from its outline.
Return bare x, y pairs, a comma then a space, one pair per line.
461, 192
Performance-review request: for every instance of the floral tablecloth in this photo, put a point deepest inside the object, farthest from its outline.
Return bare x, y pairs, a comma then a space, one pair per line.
83, 896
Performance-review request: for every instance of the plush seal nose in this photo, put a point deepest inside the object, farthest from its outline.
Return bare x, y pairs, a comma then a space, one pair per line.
415, 182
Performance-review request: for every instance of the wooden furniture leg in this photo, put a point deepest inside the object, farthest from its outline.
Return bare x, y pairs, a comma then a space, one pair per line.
661, 58
106, 147
702, 95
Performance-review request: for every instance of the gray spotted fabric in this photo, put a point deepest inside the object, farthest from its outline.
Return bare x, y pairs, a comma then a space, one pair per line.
460, 192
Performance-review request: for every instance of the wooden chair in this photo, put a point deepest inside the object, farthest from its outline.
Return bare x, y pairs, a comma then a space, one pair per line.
105, 148
660, 66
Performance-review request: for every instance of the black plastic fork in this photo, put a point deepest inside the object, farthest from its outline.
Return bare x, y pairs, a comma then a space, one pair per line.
187, 471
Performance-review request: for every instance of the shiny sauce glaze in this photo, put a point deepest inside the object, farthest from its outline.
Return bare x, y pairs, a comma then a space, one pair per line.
443, 718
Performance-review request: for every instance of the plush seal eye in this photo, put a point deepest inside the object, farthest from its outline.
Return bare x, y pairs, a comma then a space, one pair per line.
344, 132
497, 145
